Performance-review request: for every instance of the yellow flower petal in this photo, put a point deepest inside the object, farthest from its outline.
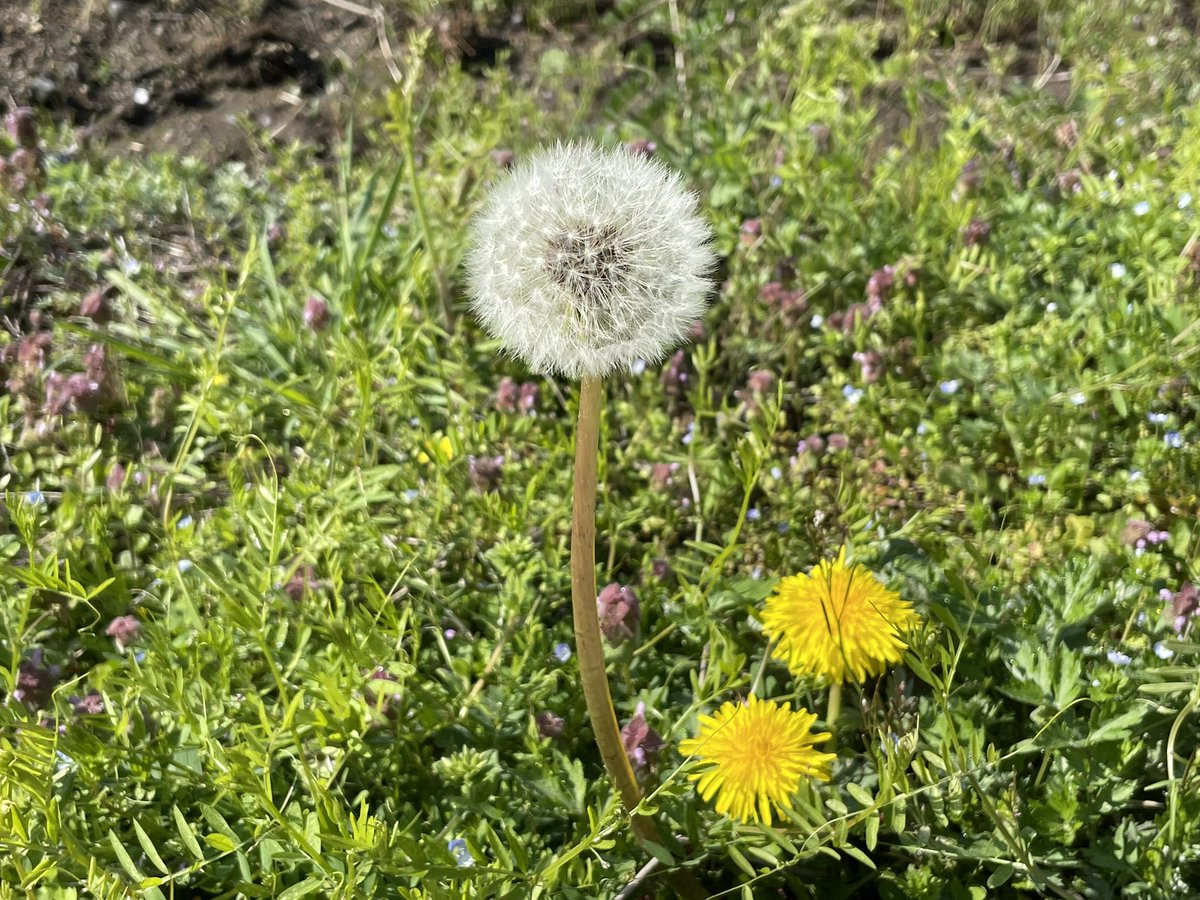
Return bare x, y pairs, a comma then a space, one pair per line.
752, 757
838, 621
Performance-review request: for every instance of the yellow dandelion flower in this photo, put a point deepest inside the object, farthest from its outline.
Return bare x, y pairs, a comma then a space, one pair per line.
754, 756
837, 621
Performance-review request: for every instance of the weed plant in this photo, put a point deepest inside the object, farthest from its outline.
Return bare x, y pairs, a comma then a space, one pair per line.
284, 552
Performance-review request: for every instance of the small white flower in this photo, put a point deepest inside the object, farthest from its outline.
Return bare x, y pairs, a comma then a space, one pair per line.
817, 320
1117, 658
949, 387
1051, 306
1162, 651
852, 394
1116, 270
1140, 209
1185, 200
1157, 418
1078, 398
585, 260
1036, 480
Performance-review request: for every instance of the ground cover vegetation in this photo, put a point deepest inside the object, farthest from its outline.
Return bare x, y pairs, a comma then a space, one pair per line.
284, 548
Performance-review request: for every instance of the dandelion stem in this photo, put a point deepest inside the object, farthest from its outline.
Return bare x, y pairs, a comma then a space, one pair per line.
831, 714
588, 645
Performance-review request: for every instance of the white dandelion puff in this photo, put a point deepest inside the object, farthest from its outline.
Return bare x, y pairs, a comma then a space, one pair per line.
586, 260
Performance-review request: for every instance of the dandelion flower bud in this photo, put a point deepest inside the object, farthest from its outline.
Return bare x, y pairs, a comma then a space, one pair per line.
585, 260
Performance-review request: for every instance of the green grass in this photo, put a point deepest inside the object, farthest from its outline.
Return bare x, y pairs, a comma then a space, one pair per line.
344, 640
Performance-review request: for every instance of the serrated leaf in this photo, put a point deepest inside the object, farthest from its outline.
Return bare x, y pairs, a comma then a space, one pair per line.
148, 846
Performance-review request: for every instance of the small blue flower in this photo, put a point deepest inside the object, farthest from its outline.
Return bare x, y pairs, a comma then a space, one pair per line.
1185, 200
1078, 398
184, 564
35, 498
1116, 270
1135, 474
185, 522
1140, 209
852, 394
753, 514
1036, 480
690, 433
922, 428
1173, 439
1157, 418
411, 494
1162, 651
562, 652
950, 386
637, 367
1117, 658
776, 472
462, 856
817, 320
776, 181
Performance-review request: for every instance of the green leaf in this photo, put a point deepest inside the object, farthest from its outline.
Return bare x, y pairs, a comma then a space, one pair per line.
187, 835
872, 835
1000, 875
220, 842
742, 863
304, 888
148, 846
124, 858
855, 853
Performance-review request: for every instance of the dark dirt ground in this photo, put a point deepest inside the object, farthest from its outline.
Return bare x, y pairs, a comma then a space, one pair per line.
197, 78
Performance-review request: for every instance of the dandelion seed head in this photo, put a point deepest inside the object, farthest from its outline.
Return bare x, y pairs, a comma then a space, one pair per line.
586, 260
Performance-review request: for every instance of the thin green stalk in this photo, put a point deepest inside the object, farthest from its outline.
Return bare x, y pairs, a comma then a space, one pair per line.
831, 714
589, 646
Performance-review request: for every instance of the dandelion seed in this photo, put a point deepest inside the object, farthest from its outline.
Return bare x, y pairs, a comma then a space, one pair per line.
585, 260
838, 622
753, 757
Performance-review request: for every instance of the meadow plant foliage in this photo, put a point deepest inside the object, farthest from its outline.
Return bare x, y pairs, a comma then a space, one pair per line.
285, 541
